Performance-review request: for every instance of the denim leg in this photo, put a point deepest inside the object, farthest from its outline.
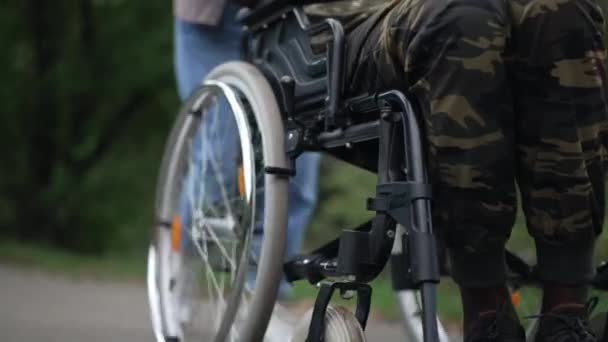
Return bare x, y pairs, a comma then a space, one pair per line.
199, 48
303, 192
212, 169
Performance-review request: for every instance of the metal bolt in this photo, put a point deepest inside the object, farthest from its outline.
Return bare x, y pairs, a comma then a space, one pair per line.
390, 234
290, 135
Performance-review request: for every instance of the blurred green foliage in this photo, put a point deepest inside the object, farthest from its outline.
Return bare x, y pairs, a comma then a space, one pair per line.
87, 101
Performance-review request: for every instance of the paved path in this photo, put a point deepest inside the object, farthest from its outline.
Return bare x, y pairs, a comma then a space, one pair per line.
37, 306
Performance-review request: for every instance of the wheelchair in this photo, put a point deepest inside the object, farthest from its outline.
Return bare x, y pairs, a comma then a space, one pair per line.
224, 177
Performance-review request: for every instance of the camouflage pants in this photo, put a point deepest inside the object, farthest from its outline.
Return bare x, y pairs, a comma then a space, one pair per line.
511, 92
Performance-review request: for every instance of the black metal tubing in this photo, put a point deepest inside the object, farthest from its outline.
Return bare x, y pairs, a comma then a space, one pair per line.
335, 72
415, 157
350, 135
364, 255
384, 226
423, 250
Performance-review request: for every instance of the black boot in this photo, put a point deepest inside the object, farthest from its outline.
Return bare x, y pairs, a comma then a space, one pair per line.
499, 326
567, 324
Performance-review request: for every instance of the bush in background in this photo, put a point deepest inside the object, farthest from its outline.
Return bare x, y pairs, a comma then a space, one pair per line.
88, 99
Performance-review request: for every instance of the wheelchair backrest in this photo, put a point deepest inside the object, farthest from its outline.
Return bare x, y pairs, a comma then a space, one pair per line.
279, 41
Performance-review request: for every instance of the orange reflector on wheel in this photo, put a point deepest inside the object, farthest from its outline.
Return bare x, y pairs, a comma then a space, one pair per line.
176, 233
241, 181
516, 298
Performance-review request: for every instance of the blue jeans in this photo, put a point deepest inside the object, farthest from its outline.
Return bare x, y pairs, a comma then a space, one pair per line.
198, 49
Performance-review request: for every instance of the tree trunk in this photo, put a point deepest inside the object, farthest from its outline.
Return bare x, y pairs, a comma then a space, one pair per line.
40, 109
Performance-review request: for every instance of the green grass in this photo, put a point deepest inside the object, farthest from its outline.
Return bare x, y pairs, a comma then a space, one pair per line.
49, 259
132, 268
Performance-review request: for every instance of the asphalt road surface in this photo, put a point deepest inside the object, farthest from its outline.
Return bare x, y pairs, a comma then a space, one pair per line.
37, 306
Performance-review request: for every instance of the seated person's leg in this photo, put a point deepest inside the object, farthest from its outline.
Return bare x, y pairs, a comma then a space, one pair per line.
449, 56
562, 128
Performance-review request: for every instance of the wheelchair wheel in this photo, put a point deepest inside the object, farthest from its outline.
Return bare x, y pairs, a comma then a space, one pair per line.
341, 325
212, 275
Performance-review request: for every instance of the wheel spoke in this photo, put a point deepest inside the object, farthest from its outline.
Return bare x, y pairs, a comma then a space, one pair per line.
220, 180
199, 234
212, 284
211, 275
221, 247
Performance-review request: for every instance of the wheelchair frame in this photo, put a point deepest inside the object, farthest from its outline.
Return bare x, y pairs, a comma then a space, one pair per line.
310, 89
311, 93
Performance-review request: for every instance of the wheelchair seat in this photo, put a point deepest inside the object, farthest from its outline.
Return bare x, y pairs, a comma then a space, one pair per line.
309, 82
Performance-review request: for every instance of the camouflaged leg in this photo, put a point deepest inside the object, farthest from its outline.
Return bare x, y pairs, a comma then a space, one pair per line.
449, 56
559, 64
559, 78
507, 88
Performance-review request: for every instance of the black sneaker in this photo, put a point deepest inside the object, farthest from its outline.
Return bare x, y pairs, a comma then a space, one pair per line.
500, 326
567, 324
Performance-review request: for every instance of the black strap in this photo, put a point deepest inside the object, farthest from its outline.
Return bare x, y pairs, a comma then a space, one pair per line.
395, 195
280, 171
